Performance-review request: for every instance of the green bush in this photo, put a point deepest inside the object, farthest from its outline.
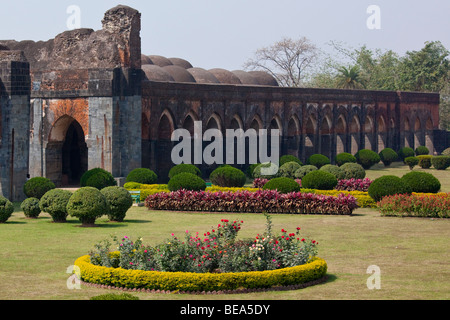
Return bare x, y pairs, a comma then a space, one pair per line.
440, 162
30, 207
422, 182
282, 185
187, 181
367, 158
446, 152
353, 171
142, 175
6, 209
228, 176
289, 158
87, 204
132, 185
119, 201
422, 150
318, 160
335, 170
97, 178
405, 152
266, 170
184, 167
54, 202
289, 168
387, 186
388, 156
425, 161
320, 180
114, 296
303, 171
344, 157
37, 187
412, 162
250, 169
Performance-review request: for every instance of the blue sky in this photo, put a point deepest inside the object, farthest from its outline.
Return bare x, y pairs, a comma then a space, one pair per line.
225, 33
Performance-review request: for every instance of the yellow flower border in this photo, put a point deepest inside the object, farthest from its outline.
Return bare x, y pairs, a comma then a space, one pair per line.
315, 270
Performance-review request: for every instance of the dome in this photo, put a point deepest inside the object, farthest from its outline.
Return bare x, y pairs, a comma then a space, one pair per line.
181, 63
225, 76
264, 78
202, 76
160, 61
146, 60
179, 74
156, 73
245, 77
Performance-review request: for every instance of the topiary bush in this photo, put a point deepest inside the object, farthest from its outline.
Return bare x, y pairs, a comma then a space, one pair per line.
250, 169
54, 202
446, 152
388, 156
344, 157
30, 208
303, 171
425, 161
97, 178
266, 170
318, 160
142, 175
282, 185
335, 170
132, 185
412, 162
87, 204
367, 158
353, 171
422, 182
37, 187
6, 209
228, 176
387, 186
290, 158
184, 167
289, 168
405, 152
187, 181
422, 150
119, 201
440, 162
320, 180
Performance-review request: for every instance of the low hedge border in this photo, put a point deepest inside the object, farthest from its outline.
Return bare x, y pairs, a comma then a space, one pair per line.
184, 282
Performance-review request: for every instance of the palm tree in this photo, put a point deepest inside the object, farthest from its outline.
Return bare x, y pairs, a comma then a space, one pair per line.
349, 78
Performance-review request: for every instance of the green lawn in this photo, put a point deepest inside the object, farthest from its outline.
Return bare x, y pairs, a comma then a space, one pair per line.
412, 253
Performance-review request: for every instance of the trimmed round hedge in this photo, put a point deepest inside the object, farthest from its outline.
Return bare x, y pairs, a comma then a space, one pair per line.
318, 160
266, 170
421, 150
405, 152
425, 161
6, 209
228, 176
367, 158
412, 162
87, 204
303, 171
282, 185
119, 201
37, 187
54, 202
335, 170
142, 175
288, 169
290, 158
388, 186
184, 167
388, 156
320, 180
353, 171
344, 157
422, 182
97, 178
30, 207
440, 162
187, 181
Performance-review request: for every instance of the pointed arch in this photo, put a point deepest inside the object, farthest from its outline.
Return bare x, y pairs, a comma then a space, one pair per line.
355, 131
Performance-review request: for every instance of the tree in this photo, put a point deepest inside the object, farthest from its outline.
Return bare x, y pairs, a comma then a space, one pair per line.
349, 78
286, 60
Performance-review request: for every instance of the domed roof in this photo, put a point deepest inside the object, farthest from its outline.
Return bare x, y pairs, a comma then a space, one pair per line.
181, 62
264, 78
202, 76
156, 73
245, 77
145, 59
179, 74
160, 61
225, 76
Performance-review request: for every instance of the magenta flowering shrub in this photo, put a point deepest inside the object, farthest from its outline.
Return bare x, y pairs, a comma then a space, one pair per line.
259, 182
354, 185
269, 201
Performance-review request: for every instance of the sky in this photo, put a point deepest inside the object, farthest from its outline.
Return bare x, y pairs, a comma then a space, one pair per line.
226, 33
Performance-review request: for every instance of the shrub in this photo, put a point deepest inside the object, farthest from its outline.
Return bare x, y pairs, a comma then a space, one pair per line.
388, 156
412, 162
320, 180
300, 173
87, 204
30, 207
344, 157
97, 178
6, 209
184, 167
354, 185
288, 169
387, 186
114, 296
446, 152
228, 176
290, 158
367, 158
266, 170
405, 152
142, 175
318, 160
422, 182
259, 183
119, 201
353, 171
187, 181
54, 202
283, 185
37, 187
132, 185
416, 205
440, 162
422, 150
250, 169
425, 161
337, 171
